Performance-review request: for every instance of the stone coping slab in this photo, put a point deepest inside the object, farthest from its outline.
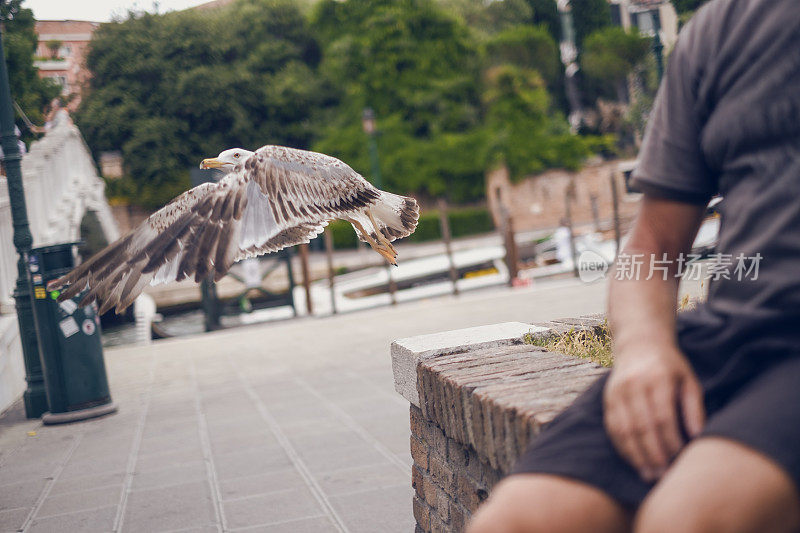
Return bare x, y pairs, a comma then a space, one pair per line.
487, 389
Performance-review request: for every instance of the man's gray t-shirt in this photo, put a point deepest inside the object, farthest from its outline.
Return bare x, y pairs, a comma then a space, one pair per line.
727, 120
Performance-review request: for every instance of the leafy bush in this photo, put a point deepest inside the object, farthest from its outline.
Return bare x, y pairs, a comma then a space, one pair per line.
343, 235
463, 222
470, 221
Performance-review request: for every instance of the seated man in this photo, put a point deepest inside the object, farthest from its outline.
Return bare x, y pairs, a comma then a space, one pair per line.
697, 426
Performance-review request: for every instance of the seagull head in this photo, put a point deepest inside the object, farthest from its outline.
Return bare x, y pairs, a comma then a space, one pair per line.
228, 159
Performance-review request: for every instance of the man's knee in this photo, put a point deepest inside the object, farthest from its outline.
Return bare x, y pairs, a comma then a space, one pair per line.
719, 485
532, 503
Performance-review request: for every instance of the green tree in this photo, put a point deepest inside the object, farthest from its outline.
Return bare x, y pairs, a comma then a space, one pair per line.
487, 18
611, 54
521, 130
417, 68
168, 90
529, 47
32, 93
545, 13
589, 16
685, 6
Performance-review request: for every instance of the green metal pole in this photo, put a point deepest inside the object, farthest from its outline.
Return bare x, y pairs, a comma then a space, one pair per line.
371, 129
35, 397
373, 157
569, 56
658, 46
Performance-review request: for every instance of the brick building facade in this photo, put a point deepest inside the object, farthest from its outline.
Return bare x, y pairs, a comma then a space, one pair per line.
540, 202
65, 62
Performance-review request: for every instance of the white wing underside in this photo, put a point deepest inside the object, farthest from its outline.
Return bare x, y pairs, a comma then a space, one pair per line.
257, 227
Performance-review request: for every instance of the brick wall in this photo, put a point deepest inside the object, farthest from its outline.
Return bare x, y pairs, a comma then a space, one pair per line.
478, 410
539, 202
449, 479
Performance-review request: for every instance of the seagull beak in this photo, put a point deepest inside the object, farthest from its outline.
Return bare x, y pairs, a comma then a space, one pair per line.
211, 163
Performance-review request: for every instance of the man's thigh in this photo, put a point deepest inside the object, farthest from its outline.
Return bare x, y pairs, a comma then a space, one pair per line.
717, 484
532, 503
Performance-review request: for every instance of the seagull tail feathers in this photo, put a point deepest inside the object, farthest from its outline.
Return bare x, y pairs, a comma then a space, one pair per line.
396, 215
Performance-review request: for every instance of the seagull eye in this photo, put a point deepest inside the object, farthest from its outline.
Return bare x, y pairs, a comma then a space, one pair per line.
236, 156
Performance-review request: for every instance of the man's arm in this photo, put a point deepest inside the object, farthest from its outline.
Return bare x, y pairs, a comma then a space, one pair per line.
652, 388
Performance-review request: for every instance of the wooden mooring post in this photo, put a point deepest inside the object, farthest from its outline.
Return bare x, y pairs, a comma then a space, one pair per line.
331, 274
306, 277
444, 225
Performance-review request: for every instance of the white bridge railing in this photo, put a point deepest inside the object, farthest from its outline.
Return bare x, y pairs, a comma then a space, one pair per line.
61, 185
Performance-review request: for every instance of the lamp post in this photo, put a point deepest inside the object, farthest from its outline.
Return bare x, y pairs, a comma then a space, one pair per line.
35, 397
370, 128
569, 55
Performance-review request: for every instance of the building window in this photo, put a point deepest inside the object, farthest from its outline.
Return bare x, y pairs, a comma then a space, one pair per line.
645, 23
62, 82
616, 14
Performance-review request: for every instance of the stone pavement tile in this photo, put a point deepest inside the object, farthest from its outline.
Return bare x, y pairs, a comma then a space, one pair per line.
90, 448
171, 410
362, 478
232, 407
182, 426
386, 510
90, 482
201, 529
80, 522
98, 465
22, 494
279, 400
406, 458
391, 434
260, 484
278, 506
364, 413
168, 459
169, 442
251, 462
238, 442
12, 519
304, 525
342, 438
326, 460
294, 412
226, 426
79, 501
169, 423
175, 475
320, 426
175, 507
23, 468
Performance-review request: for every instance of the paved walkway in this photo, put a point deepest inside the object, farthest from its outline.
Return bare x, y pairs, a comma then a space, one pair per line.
290, 426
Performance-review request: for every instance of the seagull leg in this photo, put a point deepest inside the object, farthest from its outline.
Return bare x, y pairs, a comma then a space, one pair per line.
379, 233
378, 247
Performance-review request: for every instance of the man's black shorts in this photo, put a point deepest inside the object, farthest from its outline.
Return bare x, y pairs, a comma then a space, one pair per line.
751, 380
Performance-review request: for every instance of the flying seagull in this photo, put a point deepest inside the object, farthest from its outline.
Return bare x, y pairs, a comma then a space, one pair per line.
270, 199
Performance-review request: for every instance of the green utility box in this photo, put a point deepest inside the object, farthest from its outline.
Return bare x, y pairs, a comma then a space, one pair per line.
70, 347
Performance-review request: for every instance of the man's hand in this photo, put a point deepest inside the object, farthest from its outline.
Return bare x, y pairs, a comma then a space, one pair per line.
652, 388
647, 396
